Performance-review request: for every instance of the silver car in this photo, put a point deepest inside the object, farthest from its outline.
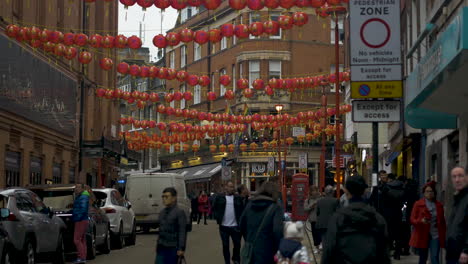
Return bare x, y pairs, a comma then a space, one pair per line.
32, 227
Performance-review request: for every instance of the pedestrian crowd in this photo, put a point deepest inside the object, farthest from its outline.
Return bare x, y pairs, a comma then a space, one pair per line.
363, 226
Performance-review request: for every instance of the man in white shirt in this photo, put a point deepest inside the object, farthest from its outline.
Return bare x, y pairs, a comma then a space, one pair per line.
227, 210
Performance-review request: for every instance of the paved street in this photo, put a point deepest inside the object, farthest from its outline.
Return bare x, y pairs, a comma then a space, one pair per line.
204, 247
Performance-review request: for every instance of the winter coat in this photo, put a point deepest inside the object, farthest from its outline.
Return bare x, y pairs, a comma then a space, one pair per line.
203, 204
292, 252
393, 195
376, 198
326, 207
421, 233
457, 231
81, 207
219, 207
172, 228
356, 235
269, 237
310, 206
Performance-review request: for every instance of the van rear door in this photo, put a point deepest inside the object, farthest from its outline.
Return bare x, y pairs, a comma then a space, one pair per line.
138, 193
158, 184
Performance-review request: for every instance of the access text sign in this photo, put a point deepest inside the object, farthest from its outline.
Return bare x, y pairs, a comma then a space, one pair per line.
376, 111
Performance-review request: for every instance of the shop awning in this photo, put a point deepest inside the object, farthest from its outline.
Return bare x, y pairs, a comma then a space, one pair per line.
199, 173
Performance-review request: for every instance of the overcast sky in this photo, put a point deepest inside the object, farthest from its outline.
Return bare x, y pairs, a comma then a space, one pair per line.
151, 22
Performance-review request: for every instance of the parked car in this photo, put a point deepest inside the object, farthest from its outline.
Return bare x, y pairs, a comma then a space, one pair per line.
60, 198
33, 230
6, 249
120, 214
144, 191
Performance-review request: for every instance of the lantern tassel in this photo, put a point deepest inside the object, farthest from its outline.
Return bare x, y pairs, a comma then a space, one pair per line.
144, 14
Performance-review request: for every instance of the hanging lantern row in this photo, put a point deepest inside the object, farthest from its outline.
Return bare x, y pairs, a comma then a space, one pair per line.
241, 31
235, 4
35, 35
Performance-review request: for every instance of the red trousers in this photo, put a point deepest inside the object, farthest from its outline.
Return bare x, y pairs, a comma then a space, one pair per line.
80, 238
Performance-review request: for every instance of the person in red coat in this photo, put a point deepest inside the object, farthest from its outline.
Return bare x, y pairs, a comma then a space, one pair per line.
428, 220
203, 206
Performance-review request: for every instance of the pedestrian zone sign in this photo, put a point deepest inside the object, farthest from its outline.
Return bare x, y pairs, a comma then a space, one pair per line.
365, 90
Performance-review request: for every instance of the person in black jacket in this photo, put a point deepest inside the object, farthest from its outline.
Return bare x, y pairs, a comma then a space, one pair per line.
356, 233
375, 198
326, 207
172, 230
457, 227
227, 210
267, 243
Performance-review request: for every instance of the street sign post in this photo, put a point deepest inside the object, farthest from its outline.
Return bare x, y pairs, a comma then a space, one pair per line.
376, 111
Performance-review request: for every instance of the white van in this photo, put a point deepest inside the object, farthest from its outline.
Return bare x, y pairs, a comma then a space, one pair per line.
144, 191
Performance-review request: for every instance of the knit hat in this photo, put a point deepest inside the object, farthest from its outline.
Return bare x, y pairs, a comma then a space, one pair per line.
294, 230
356, 185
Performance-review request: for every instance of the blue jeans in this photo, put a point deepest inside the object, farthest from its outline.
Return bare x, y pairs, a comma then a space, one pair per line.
434, 248
166, 255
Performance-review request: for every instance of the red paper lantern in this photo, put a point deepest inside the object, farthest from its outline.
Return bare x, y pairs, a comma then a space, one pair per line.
243, 83
173, 39
300, 18
141, 104
204, 80
95, 41
106, 64
211, 96
272, 4
253, 146
126, 95
202, 116
201, 37
195, 147
108, 42
136, 94
227, 30
43, 36
128, 3
161, 126
302, 3
248, 93
195, 3
171, 74
162, 73
85, 57
154, 97
256, 28
135, 70
289, 141
229, 95
242, 31
231, 147
186, 35
54, 37
178, 96
134, 42
70, 53
68, 39
13, 30
243, 147
188, 96
225, 80
269, 91
222, 148
214, 35
169, 97
213, 148
258, 84
170, 111
160, 41
162, 4
212, 4
153, 72
59, 50
145, 3
144, 72
178, 4
271, 27
192, 80
100, 92
182, 76
238, 4
120, 41
285, 22
123, 68
317, 3
286, 3
80, 39
333, 2
255, 4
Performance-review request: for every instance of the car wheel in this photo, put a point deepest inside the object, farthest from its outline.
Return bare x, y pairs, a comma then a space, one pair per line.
106, 248
59, 254
119, 239
91, 246
30, 253
131, 240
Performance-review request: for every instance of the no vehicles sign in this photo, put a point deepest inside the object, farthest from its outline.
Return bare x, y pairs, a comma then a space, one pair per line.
376, 24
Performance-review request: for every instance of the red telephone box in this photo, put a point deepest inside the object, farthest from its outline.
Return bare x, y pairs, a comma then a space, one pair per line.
299, 193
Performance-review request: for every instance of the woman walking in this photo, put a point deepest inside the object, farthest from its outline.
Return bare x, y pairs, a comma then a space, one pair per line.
428, 220
310, 206
203, 206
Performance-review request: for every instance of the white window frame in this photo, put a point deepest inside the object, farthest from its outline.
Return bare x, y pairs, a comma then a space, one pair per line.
234, 38
222, 88
332, 30
241, 71
151, 112
271, 64
212, 81
251, 20
171, 148
197, 94
275, 16
182, 89
158, 117
223, 43
253, 75
172, 59
184, 15
172, 104
183, 56
196, 51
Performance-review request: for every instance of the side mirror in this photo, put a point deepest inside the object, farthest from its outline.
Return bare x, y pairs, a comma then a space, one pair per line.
4, 213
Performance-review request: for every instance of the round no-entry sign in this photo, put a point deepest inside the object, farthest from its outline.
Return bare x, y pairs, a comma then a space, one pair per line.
364, 90
375, 33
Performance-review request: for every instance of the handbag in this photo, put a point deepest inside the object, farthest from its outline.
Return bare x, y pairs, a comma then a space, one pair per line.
181, 260
247, 249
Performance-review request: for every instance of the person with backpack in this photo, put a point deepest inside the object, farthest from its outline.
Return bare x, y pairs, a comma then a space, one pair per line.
310, 206
393, 195
291, 250
326, 207
356, 233
261, 225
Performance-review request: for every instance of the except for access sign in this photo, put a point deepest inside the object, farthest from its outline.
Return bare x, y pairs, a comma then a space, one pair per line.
375, 73
371, 90
376, 111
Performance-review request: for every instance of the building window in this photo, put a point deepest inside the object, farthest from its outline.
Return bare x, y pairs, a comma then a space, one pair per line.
57, 173
212, 82
234, 77
172, 103
196, 51
254, 17
171, 148
234, 38
12, 168
158, 117
183, 56
182, 90
254, 71
71, 175
274, 69
172, 59
197, 94
275, 17
151, 112
222, 88
223, 43
35, 177
340, 29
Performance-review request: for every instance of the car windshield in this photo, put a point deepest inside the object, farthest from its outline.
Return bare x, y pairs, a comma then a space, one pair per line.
57, 199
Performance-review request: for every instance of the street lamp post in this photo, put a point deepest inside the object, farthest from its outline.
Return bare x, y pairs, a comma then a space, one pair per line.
279, 108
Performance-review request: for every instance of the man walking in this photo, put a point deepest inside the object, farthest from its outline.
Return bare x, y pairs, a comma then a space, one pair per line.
172, 230
457, 227
326, 207
228, 209
376, 196
80, 218
356, 233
